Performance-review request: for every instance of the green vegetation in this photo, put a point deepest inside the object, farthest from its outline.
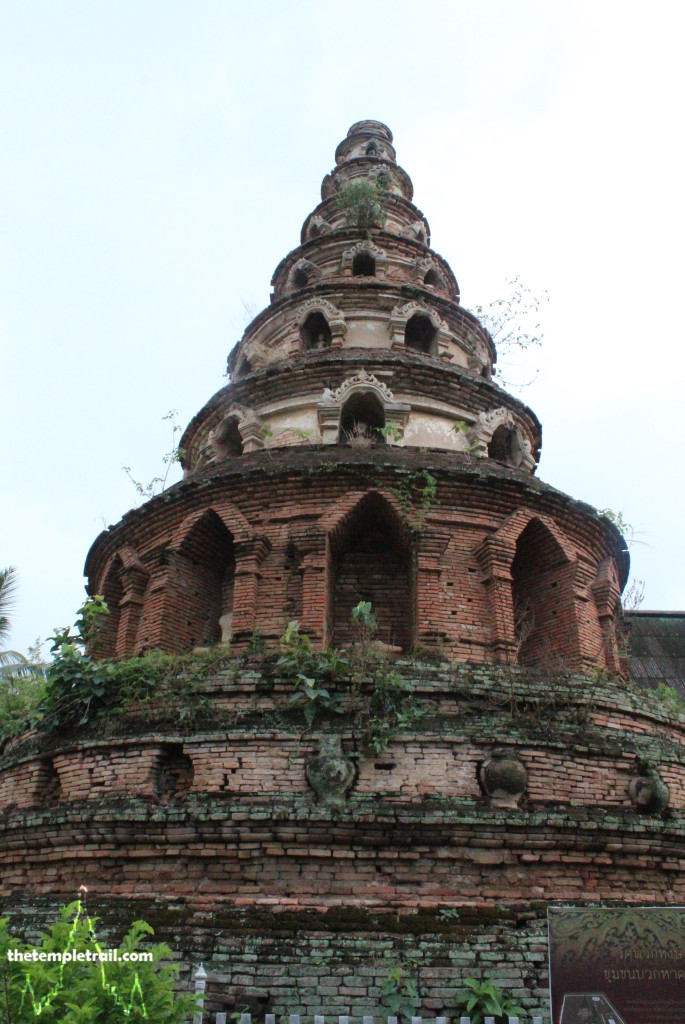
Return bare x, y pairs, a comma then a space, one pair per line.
21, 699
362, 202
400, 994
310, 668
487, 1000
8, 587
83, 991
419, 489
80, 688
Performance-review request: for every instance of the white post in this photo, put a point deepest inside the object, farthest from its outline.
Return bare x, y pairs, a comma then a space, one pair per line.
221, 1018
200, 984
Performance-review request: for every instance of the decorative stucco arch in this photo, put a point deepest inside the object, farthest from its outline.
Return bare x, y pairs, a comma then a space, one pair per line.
333, 316
365, 247
480, 434
303, 268
424, 266
400, 317
329, 408
237, 424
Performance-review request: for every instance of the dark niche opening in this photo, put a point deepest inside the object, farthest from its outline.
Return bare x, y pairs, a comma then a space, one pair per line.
542, 593
228, 439
174, 774
432, 279
316, 333
363, 265
371, 560
48, 789
300, 279
204, 575
420, 334
505, 446
362, 420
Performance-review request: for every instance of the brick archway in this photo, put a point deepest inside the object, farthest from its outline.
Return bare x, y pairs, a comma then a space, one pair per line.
370, 558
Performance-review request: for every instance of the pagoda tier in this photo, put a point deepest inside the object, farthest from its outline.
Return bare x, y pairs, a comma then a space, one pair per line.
363, 452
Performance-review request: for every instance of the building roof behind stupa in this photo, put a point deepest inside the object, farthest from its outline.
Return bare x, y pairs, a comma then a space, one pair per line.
657, 648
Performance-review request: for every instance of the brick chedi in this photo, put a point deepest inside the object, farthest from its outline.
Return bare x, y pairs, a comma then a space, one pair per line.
363, 375
361, 452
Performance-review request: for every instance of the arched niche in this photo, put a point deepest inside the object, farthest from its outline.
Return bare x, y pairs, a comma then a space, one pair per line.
364, 259
426, 271
417, 326
495, 434
240, 431
420, 334
371, 559
315, 332
123, 585
363, 265
303, 273
362, 419
545, 628
227, 439
506, 446
374, 404
204, 580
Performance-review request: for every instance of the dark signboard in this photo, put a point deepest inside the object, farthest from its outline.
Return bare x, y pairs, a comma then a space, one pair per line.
617, 966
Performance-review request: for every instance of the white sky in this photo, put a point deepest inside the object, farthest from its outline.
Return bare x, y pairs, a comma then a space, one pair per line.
159, 157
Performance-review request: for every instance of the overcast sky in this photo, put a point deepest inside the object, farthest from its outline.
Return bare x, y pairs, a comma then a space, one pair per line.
159, 157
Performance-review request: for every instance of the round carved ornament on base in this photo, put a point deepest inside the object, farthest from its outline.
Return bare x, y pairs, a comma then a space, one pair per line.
503, 779
649, 793
331, 774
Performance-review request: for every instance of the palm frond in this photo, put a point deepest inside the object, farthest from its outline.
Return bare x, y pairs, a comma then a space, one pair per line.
13, 658
8, 593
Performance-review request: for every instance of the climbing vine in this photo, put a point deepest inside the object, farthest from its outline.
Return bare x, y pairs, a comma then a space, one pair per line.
420, 489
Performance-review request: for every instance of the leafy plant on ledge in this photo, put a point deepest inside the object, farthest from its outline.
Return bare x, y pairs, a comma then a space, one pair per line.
362, 203
400, 994
487, 1000
310, 668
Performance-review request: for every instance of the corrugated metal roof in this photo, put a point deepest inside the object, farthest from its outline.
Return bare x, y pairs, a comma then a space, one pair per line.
657, 648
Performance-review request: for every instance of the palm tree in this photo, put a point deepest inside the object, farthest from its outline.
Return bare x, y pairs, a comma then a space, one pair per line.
11, 662
8, 589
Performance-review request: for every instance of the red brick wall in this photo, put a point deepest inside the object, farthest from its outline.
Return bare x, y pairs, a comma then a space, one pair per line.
458, 603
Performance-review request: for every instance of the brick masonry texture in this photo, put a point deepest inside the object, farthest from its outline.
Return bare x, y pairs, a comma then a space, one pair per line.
441, 880
294, 519
361, 452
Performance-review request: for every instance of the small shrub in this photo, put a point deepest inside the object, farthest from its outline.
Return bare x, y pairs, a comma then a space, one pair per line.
361, 201
400, 994
83, 991
310, 669
487, 1000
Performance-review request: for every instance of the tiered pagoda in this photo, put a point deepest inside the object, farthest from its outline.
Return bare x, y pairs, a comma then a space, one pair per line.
362, 452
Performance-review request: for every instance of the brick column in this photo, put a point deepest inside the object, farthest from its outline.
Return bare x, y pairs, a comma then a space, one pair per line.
249, 554
134, 580
432, 546
496, 558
